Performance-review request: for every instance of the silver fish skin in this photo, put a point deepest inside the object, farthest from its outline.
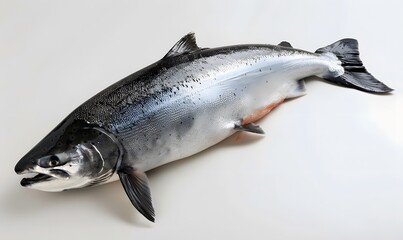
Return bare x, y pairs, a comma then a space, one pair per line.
184, 103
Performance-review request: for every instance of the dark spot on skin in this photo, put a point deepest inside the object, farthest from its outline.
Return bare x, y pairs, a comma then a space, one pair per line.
183, 126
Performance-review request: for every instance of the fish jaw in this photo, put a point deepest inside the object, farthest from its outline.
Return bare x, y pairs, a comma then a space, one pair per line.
55, 180
42, 176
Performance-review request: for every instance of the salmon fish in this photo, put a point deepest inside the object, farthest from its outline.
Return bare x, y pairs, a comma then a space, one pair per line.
180, 105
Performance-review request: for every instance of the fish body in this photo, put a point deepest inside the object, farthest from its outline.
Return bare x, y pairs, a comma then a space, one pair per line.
184, 103
187, 103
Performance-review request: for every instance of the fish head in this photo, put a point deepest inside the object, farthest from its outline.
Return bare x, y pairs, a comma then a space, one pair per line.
74, 155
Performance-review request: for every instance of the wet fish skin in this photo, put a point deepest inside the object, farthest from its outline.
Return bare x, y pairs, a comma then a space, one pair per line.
186, 102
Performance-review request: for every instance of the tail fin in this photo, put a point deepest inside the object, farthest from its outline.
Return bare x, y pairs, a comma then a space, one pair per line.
355, 75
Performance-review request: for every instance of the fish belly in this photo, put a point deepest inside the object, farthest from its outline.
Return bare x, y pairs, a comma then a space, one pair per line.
207, 117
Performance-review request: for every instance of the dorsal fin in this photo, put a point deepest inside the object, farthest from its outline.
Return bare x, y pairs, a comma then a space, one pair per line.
186, 44
285, 44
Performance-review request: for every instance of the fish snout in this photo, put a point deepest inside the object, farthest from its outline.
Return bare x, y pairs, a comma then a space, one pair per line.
24, 165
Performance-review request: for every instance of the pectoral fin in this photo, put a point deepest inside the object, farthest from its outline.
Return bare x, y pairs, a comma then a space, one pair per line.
136, 187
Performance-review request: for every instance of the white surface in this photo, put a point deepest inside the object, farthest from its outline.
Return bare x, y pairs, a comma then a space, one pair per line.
330, 166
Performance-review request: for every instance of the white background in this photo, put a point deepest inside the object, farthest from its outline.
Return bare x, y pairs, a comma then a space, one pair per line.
329, 167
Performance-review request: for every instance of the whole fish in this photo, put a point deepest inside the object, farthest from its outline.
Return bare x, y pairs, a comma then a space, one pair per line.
188, 101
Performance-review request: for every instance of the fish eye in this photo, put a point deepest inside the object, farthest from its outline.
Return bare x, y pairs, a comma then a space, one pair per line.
53, 161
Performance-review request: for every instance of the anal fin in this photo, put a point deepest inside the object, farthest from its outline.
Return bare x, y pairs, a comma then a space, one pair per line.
136, 187
298, 89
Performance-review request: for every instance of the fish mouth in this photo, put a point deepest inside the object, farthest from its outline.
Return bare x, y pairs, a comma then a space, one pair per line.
42, 177
38, 178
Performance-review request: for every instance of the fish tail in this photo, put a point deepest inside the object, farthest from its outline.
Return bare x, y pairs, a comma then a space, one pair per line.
355, 75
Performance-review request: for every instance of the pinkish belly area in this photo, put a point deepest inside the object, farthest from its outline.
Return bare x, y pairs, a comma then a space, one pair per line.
261, 112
